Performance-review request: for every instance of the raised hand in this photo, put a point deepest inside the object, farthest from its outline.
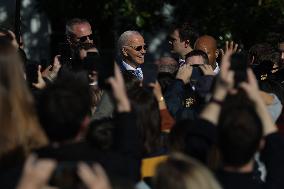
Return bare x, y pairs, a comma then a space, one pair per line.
224, 84
207, 69
14, 40
230, 48
36, 173
51, 71
225, 81
119, 91
158, 94
40, 82
184, 73
93, 178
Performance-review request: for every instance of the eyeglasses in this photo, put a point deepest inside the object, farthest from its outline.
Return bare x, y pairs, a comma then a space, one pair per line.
84, 38
139, 48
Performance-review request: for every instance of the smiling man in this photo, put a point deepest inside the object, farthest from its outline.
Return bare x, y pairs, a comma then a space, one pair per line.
132, 49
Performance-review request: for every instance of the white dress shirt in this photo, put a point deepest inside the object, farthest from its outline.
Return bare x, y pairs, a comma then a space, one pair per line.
138, 71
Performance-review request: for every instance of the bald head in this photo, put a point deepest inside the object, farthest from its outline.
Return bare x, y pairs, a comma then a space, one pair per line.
208, 44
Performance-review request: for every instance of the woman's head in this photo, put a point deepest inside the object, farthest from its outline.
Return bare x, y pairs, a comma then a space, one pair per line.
18, 121
238, 120
181, 172
148, 117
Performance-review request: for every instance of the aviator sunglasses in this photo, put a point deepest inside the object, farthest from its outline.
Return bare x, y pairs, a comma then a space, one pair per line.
139, 48
84, 38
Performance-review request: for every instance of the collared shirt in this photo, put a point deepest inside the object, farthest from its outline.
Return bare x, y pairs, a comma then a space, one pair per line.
217, 69
181, 62
137, 71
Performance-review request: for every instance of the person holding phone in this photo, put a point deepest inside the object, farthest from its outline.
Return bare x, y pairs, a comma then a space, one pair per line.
185, 96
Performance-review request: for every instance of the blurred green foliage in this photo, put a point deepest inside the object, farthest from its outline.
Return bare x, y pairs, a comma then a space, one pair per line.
247, 22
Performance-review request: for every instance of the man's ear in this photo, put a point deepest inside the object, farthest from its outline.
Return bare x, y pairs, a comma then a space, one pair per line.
252, 60
124, 51
186, 43
217, 53
70, 40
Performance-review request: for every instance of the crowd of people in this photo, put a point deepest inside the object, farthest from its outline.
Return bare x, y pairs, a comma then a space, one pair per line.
210, 119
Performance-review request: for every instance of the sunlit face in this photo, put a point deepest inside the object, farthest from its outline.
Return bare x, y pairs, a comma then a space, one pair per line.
83, 32
135, 50
176, 45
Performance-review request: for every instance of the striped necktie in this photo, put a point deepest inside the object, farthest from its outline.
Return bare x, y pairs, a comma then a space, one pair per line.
181, 62
138, 73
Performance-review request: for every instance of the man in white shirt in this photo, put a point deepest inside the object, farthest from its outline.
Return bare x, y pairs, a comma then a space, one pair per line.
181, 40
208, 44
132, 49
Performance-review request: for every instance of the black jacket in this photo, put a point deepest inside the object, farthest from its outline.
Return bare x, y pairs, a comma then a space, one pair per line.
122, 161
185, 103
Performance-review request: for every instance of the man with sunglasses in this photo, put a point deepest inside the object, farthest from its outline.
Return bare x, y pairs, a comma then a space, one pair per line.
79, 42
79, 31
132, 49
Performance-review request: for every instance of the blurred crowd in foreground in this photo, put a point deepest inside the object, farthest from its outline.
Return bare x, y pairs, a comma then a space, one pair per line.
96, 119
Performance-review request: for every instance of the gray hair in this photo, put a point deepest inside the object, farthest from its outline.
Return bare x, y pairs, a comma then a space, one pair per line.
71, 23
124, 39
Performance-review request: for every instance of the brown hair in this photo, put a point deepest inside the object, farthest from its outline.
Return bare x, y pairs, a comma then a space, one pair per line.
18, 121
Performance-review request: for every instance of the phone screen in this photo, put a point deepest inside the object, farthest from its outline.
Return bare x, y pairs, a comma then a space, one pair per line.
150, 74
239, 64
105, 68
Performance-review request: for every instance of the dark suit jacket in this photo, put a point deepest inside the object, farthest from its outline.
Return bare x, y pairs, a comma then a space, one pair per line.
185, 103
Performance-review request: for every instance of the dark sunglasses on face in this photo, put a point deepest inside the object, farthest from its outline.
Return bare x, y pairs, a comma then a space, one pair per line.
140, 47
84, 38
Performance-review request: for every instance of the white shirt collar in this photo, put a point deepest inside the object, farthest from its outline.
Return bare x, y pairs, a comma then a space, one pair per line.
127, 66
217, 69
181, 60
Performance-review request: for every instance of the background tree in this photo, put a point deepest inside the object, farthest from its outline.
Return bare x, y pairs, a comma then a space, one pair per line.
246, 22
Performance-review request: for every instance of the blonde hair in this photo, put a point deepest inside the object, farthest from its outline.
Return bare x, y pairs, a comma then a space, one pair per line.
181, 172
19, 125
